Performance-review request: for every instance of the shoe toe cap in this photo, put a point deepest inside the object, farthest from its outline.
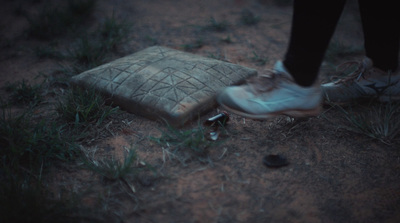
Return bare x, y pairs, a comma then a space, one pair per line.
229, 98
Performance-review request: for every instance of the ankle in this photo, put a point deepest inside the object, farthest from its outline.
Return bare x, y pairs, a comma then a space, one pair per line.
303, 82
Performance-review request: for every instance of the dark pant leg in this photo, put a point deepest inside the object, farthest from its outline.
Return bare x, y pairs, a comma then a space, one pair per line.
381, 27
313, 24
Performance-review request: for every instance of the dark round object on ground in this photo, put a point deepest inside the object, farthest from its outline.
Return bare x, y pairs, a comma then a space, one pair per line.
275, 161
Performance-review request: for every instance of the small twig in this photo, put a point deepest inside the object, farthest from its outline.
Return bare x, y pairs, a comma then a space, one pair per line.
223, 153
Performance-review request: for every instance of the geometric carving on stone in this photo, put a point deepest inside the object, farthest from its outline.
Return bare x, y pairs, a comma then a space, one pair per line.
163, 83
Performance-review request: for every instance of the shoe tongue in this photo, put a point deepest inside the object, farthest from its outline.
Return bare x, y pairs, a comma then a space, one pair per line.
263, 82
280, 69
367, 63
370, 69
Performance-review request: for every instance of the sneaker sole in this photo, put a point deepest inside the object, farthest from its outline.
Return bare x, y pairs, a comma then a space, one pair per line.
293, 113
388, 98
382, 99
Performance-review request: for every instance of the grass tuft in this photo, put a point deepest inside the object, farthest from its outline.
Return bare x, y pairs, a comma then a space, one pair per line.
113, 32
193, 46
248, 18
113, 170
218, 26
23, 93
53, 21
88, 51
91, 49
185, 145
33, 145
84, 106
226, 40
379, 121
43, 52
259, 60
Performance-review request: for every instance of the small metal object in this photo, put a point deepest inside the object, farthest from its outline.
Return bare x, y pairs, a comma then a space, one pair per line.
220, 119
214, 135
214, 123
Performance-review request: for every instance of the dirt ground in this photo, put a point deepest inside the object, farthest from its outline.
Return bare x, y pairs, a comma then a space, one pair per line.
334, 175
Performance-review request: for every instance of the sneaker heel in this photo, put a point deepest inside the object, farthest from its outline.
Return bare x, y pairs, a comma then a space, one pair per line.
305, 113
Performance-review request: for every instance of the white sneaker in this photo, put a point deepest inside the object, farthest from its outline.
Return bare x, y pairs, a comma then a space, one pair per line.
271, 94
365, 82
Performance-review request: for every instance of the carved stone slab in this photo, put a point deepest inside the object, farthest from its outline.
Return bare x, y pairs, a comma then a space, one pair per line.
162, 83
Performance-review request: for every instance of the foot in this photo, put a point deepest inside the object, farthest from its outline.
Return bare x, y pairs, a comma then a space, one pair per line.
365, 82
271, 94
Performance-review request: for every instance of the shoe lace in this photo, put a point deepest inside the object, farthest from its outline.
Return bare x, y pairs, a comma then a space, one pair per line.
263, 82
360, 70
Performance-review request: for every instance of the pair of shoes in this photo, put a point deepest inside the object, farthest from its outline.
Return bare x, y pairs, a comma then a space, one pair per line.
365, 82
276, 93
270, 94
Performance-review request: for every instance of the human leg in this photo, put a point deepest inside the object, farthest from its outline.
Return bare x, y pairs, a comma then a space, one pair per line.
377, 76
381, 27
289, 89
313, 24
